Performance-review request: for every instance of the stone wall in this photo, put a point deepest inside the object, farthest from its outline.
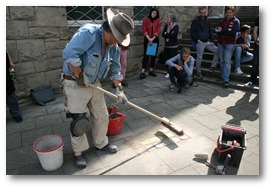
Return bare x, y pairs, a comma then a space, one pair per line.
36, 37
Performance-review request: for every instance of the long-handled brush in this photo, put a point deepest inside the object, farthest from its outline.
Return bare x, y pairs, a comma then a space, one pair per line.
164, 121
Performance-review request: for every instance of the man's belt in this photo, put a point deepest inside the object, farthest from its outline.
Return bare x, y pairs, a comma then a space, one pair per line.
69, 77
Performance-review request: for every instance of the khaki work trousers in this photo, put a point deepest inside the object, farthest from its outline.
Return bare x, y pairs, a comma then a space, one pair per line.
80, 99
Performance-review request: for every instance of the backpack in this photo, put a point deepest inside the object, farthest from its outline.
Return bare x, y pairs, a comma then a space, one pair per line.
42, 94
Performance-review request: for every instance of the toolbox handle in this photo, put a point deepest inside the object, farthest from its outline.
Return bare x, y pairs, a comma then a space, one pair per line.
225, 150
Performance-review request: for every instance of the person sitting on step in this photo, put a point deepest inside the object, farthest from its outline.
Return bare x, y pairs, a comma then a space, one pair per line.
242, 45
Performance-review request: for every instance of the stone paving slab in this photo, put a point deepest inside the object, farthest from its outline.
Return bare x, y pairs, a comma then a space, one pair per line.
145, 146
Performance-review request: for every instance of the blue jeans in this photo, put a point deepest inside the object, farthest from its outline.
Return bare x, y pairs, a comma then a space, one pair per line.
240, 58
13, 105
181, 76
225, 53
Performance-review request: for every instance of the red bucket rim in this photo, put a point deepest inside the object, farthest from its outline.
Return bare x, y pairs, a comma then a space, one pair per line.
51, 150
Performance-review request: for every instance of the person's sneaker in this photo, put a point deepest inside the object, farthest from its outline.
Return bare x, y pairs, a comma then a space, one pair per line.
167, 75
152, 73
248, 84
124, 83
142, 76
199, 77
212, 69
179, 88
239, 71
109, 148
226, 84
18, 119
171, 87
80, 162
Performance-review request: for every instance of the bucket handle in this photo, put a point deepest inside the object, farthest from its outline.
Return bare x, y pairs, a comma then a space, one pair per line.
225, 150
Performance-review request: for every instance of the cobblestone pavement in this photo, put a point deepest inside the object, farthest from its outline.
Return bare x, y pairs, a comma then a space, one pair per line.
145, 146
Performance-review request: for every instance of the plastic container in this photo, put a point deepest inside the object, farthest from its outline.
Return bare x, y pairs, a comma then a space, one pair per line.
49, 150
115, 121
232, 140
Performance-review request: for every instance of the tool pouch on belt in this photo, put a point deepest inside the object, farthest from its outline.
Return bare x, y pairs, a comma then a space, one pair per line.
80, 80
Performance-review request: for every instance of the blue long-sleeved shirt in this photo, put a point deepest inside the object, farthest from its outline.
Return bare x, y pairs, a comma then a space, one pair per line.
85, 50
187, 68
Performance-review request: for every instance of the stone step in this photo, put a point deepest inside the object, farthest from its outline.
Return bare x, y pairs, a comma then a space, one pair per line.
209, 56
245, 67
233, 77
186, 39
217, 73
186, 43
233, 84
212, 80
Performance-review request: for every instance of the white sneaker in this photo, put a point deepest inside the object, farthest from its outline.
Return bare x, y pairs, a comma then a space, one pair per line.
248, 84
239, 71
167, 75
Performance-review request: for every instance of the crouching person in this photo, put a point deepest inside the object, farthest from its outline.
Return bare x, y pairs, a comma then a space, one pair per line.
181, 67
89, 56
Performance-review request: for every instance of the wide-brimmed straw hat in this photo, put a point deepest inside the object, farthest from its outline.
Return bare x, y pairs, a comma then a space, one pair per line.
121, 25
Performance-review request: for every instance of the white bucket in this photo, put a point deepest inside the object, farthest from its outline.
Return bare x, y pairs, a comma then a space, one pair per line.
49, 149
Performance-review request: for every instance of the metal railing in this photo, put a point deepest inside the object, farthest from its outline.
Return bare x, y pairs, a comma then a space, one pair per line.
79, 15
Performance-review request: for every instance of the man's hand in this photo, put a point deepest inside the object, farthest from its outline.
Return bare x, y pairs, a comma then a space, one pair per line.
116, 83
122, 99
77, 70
179, 68
244, 46
187, 61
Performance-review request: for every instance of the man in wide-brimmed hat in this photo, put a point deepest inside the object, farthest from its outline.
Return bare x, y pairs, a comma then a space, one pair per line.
89, 56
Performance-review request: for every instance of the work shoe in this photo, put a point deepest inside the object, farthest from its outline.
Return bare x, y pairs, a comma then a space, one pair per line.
226, 84
80, 162
109, 148
248, 84
239, 71
18, 119
142, 76
171, 87
199, 77
152, 73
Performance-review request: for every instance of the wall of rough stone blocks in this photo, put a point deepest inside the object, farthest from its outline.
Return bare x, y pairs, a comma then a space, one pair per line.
36, 36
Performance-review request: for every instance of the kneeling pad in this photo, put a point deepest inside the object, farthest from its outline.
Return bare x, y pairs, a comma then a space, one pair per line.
79, 126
